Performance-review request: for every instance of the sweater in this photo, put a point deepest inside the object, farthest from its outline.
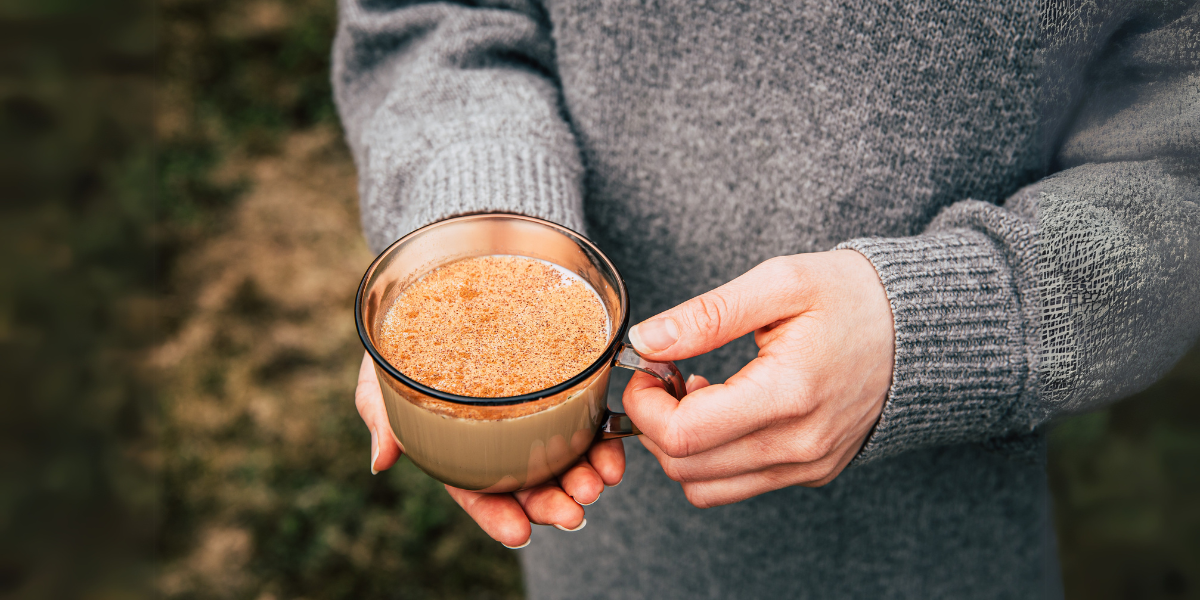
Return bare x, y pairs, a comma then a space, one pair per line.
1025, 178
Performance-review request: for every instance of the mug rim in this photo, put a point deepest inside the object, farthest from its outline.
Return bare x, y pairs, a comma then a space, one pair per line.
604, 358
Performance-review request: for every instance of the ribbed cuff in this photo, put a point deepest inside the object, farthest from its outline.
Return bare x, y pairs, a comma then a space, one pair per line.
495, 177
960, 372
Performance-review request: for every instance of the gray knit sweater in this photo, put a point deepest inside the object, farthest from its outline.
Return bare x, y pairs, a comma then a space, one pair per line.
1024, 178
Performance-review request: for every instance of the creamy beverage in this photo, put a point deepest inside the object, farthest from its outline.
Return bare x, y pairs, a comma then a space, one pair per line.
494, 366
495, 326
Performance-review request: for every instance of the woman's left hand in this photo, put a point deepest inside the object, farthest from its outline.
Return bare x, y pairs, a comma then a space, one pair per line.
796, 414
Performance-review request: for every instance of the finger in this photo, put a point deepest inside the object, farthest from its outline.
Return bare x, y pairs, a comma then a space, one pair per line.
608, 459
707, 494
795, 443
770, 292
695, 382
746, 455
712, 415
582, 483
385, 449
499, 515
549, 505
812, 438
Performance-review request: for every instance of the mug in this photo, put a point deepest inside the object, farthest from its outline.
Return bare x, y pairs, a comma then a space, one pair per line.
517, 442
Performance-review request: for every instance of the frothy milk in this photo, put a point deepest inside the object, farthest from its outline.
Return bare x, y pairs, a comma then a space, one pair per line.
495, 326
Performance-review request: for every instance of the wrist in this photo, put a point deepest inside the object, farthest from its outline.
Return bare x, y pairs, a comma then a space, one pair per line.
960, 372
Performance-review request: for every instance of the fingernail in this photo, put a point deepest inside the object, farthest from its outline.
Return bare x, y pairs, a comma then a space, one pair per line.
588, 503
690, 378
618, 482
561, 528
518, 547
374, 451
654, 335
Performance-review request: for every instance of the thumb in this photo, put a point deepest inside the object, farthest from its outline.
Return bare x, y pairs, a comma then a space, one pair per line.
770, 292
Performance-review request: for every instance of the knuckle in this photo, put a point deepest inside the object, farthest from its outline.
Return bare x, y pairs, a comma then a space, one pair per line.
805, 401
782, 270
673, 470
817, 442
824, 445
696, 496
679, 442
827, 472
824, 469
823, 474
809, 449
708, 313
675, 443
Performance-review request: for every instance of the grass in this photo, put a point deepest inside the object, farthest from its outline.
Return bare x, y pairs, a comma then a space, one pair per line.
180, 252
78, 235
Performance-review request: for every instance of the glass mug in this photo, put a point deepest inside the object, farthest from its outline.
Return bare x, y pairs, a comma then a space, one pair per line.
517, 442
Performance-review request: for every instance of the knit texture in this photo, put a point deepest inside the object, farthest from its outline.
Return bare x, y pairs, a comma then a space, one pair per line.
966, 371
1021, 176
443, 123
1121, 278
513, 177
1119, 271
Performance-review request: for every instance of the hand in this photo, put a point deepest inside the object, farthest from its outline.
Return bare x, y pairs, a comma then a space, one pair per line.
505, 517
796, 414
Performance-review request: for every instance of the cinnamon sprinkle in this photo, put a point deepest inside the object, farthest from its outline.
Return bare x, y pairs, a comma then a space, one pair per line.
494, 326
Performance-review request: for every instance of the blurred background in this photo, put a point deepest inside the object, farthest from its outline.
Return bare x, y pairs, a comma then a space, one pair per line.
180, 248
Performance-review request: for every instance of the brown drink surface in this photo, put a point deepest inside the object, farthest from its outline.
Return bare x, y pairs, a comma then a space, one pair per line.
494, 326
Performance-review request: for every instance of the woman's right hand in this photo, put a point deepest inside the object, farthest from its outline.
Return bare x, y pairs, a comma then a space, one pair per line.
505, 517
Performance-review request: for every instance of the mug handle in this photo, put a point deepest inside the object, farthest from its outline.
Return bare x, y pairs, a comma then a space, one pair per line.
617, 424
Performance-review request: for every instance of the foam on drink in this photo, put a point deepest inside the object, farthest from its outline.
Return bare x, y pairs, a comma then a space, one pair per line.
495, 326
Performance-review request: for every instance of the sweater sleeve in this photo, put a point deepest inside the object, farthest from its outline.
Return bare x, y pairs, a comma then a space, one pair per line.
1078, 290
449, 110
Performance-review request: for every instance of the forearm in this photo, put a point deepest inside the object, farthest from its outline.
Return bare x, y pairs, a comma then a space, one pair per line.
1120, 272
1078, 290
965, 308
1120, 260
451, 109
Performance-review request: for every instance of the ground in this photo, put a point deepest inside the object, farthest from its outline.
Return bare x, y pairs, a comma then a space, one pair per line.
266, 461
